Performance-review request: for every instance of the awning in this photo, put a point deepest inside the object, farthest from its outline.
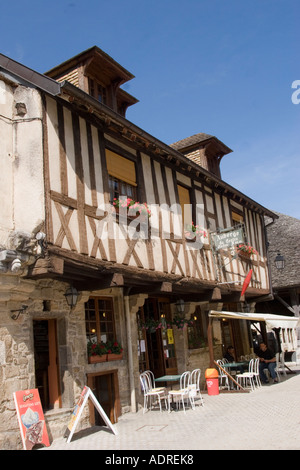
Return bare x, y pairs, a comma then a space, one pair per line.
272, 320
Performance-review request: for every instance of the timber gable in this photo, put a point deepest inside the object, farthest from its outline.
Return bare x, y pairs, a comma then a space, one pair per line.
76, 178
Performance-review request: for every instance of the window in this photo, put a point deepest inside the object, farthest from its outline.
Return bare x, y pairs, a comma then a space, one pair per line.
197, 336
237, 218
119, 188
185, 202
99, 319
97, 91
122, 176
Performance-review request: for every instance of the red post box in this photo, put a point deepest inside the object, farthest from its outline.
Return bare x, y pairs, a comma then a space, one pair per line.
212, 381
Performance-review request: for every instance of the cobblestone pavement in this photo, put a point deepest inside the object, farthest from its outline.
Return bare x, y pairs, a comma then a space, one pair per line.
268, 418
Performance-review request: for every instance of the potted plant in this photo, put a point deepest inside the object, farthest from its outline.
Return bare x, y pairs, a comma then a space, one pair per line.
180, 322
97, 352
151, 325
246, 250
193, 231
114, 351
133, 208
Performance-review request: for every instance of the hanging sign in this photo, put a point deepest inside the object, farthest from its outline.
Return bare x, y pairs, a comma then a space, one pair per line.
85, 395
170, 336
31, 418
228, 238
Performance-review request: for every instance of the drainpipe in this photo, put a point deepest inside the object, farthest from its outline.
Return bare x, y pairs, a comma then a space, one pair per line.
130, 357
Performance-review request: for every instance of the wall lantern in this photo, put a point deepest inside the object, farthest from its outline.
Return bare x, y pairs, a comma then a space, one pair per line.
71, 296
279, 261
180, 307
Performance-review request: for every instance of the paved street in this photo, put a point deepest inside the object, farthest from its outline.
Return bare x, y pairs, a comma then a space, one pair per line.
268, 418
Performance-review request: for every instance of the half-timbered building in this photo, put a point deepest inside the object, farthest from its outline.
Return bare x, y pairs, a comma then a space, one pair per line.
146, 277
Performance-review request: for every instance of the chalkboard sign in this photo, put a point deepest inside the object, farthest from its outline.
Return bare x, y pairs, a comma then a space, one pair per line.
229, 238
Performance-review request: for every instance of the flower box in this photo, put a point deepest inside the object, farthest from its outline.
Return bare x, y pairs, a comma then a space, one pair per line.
95, 359
245, 251
114, 357
244, 254
134, 209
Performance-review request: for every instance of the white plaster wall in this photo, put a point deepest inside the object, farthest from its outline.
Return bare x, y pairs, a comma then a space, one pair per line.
21, 161
6, 171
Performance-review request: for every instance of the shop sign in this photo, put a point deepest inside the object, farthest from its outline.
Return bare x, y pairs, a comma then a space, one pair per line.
31, 418
228, 238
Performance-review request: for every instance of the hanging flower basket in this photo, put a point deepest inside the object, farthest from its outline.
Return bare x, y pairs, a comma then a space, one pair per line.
245, 251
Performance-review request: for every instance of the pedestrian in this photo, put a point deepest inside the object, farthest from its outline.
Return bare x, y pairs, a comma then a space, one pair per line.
230, 356
267, 360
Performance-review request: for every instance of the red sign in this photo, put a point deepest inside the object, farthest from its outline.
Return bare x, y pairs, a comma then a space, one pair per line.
246, 282
31, 418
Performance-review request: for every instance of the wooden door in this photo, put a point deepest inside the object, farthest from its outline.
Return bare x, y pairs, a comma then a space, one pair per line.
46, 363
158, 351
105, 387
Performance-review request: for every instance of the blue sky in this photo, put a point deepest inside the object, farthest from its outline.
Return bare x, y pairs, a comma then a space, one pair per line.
221, 67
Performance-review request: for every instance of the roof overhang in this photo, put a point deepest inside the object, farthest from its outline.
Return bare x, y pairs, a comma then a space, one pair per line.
66, 90
272, 320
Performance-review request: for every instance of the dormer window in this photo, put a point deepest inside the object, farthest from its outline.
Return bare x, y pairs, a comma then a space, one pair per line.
97, 91
97, 74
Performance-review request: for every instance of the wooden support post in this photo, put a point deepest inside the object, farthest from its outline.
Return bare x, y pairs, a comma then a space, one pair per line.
210, 342
130, 356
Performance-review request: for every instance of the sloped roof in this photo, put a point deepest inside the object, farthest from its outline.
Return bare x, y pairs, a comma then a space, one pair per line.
284, 237
196, 139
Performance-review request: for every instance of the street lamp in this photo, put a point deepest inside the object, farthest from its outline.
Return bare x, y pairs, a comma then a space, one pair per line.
71, 296
180, 307
279, 261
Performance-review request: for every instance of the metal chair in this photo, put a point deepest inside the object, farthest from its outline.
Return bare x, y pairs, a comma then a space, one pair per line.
149, 393
256, 372
195, 385
247, 377
280, 368
152, 382
183, 392
222, 376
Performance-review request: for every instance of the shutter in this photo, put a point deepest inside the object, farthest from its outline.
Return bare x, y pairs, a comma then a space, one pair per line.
120, 167
184, 199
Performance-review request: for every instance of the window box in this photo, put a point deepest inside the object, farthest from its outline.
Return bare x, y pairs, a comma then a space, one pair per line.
95, 359
114, 357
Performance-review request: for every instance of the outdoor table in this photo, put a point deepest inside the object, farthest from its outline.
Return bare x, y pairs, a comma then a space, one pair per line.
235, 364
171, 379
168, 378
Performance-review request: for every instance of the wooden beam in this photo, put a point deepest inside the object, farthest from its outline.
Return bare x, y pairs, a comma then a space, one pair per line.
44, 266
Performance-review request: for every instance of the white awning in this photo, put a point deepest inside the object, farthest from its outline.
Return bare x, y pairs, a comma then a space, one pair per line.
272, 320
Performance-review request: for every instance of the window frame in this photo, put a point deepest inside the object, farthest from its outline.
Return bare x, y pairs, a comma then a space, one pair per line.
110, 334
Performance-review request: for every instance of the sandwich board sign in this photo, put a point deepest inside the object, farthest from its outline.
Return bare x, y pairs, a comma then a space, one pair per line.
76, 414
31, 418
